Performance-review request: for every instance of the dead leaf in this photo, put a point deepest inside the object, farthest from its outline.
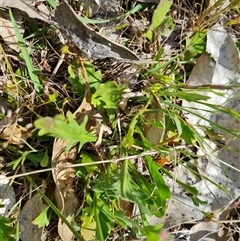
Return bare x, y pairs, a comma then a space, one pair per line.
208, 231
32, 208
125, 97
42, 14
180, 207
45, 65
127, 207
11, 131
224, 212
224, 51
163, 161
65, 196
210, 4
152, 133
214, 229
15, 134
223, 69
89, 42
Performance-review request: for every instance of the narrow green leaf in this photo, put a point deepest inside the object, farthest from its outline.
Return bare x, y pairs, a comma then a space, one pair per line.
128, 140
45, 160
121, 218
188, 134
189, 189
189, 96
159, 181
178, 124
158, 17
55, 209
197, 201
158, 67
153, 200
19, 160
126, 187
99, 232
160, 13
26, 57
53, 3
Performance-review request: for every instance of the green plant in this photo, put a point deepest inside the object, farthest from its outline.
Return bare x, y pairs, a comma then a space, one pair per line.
7, 231
126, 157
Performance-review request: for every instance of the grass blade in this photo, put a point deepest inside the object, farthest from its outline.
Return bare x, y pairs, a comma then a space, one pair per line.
26, 57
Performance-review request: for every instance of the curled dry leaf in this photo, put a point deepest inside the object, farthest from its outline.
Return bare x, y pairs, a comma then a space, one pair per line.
153, 133
65, 196
15, 134
31, 11
127, 207
89, 42
11, 131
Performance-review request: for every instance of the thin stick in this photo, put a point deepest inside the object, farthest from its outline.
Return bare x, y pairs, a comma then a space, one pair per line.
84, 164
